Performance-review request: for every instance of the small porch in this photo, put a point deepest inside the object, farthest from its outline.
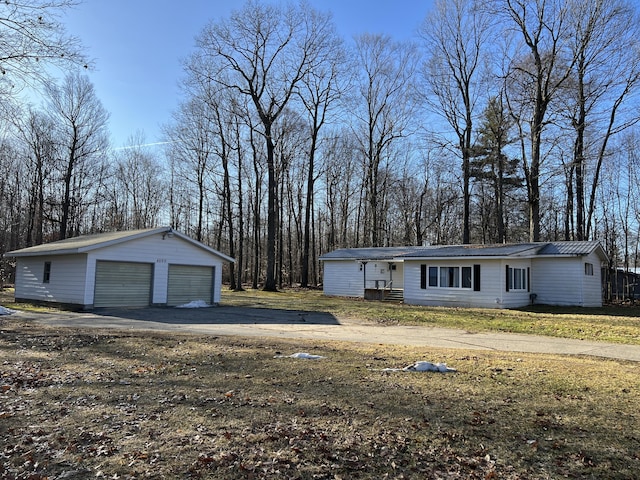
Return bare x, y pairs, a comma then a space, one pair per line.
383, 280
382, 290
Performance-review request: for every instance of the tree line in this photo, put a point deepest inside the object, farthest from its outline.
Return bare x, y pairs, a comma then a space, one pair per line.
501, 121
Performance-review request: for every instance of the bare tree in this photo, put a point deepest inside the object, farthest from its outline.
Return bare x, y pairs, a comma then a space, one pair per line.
385, 95
263, 52
455, 36
319, 92
11, 206
36, 131
192, 140
140, 180
606, 73
539, 66
33, 38
342, 185
81, 133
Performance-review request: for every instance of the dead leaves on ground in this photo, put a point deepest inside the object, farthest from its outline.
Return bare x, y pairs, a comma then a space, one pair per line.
119, 406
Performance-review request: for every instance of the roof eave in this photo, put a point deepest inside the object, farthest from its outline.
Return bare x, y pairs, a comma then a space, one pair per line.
364, 259
18, 254
470, 257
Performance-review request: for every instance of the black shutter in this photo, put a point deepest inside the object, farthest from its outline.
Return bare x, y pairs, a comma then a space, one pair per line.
506, 278
423, 276
476, 278
528, 279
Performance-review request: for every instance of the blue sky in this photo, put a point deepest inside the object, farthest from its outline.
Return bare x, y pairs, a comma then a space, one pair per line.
137, 46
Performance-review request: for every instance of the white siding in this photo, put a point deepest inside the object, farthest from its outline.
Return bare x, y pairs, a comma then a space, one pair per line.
592, 296
492, 292
153, 249
346, 279
66, 283
562, 281
343, 278
379, 274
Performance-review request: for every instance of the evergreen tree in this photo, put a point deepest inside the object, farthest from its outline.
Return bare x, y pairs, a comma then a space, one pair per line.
492, 167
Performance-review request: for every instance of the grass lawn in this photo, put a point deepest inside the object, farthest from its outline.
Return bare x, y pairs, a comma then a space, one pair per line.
79, 404
618, 324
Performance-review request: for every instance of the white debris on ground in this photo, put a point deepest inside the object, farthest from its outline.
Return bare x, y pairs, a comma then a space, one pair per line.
307, 356
6, 311
195, 304
423, 366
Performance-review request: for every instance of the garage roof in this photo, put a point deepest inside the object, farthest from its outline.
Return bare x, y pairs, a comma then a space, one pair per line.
88, 243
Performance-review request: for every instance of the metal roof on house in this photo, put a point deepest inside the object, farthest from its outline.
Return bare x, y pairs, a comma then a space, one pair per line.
373, 253
455, 251
86, 243
500, 250
569, 248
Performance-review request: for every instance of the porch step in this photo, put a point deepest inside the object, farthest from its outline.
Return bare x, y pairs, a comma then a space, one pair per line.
394, 295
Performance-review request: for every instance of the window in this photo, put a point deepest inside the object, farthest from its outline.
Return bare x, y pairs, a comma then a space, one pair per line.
450, 277
46, 276
466, 277
517, 278
588, 269
433, 276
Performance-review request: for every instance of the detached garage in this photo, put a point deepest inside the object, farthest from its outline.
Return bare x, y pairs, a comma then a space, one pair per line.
120, 269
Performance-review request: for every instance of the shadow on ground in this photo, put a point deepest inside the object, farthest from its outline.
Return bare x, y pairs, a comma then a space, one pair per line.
220, 315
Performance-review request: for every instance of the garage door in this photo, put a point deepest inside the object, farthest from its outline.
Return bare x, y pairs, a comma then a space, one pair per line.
123, 284
188, 283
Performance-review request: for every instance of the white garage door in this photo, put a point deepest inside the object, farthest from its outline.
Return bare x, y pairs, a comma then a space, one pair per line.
123, 284
188, 283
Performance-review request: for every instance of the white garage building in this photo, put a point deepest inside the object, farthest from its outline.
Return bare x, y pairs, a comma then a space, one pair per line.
136, 268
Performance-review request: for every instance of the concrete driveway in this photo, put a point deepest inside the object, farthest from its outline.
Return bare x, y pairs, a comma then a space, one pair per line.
258, 322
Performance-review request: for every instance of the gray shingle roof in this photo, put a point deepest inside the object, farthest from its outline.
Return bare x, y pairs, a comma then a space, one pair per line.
86, 243
83, 243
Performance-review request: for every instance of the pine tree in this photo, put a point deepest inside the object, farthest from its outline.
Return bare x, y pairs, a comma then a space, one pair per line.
492, 167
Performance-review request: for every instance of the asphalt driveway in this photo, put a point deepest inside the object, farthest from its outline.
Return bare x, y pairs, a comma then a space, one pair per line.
243, 321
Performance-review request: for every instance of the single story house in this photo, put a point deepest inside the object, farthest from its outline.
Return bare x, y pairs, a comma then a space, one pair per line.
157, 266
490, 276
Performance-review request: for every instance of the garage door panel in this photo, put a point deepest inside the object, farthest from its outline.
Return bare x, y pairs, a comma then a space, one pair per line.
123, 284
188, 283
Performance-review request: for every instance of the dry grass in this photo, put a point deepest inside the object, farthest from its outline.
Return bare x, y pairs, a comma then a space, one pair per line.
7, 300
610, 324
617, 324
85, 404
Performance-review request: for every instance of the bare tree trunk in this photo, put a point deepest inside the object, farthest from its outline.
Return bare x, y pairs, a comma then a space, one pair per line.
304, 281
239, 265
272, 214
